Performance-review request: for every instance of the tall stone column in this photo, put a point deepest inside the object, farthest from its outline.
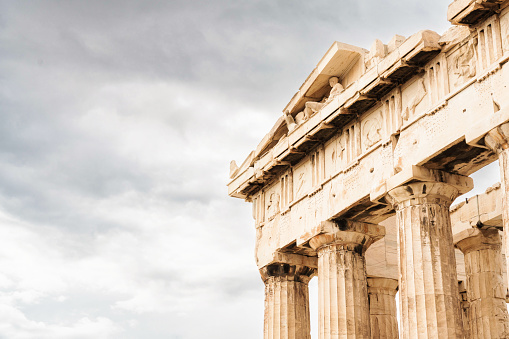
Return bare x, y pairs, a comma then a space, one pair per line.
428, 287
498, 141
465, 308
343, 306
488, 317
382, 308
286, 301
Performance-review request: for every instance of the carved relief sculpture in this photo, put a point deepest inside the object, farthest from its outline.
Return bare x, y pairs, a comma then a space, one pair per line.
273, 205
300, 183
290, 121
415, 100
233, 169
313, 107
464, 63
371, 132
377, 53
341, 146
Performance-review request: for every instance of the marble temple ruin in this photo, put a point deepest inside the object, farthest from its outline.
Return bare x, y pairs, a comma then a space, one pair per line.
355, 181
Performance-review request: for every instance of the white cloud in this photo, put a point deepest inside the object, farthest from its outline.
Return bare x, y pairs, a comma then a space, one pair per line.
15, 325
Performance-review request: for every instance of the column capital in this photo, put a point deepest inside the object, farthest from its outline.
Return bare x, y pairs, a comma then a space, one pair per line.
498, 138
289, 272
357, 235
379, 284
423, 192
475, 239
416, 174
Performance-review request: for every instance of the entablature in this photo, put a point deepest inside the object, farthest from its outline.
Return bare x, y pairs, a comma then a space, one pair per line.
278, 148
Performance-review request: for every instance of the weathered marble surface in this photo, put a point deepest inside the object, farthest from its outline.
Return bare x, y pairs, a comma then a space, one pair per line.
286, 301
382, 308
486, 291
422, 112
343, 304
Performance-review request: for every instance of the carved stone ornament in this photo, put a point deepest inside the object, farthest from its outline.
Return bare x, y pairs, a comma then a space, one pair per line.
273, 204
313, 107
464, 62
301, 180
371, 132
290, 121
233, 169
415, 100
341, 146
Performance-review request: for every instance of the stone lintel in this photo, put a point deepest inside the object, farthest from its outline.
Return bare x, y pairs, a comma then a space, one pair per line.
421, 174
342, 230
483, 126
469, 12
474, 239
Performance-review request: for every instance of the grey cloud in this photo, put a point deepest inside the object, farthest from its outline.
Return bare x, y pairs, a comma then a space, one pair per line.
119, 119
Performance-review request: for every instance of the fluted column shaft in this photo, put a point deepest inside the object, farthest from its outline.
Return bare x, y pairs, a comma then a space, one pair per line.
429, 298
382, 308
488, 317
343, 306
498, 140
465, 309
286, 301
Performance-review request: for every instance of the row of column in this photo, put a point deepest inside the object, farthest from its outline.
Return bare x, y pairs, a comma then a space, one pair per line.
353, 306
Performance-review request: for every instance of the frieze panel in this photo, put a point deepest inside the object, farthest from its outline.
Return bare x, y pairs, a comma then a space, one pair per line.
371, 129
413, 99
302, 179
342, 152
462, 63
272, 202
504, 30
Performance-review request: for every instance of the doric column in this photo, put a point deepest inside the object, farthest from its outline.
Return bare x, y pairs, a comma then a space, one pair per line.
286, 301
465, 308
382, 308
488, 317
498, 141
343, 307
428, 287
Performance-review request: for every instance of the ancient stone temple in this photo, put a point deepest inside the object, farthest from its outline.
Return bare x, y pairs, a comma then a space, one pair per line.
355, 181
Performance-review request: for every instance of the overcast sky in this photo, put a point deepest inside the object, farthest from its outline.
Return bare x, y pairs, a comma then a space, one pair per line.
118, 123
